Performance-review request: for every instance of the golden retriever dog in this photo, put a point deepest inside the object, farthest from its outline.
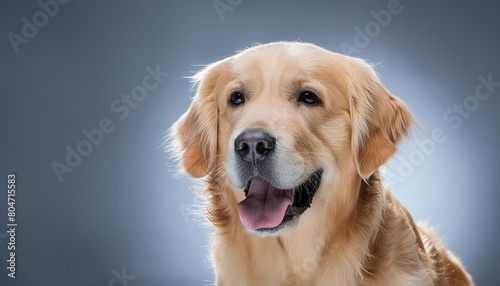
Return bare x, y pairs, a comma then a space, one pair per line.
288, 139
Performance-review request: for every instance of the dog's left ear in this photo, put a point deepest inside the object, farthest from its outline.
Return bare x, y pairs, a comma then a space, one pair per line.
194, 135
379, 120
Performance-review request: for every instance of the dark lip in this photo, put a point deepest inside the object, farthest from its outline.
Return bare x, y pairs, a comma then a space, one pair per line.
302, 200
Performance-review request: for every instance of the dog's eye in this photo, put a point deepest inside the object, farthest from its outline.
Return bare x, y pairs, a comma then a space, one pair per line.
236, 98
309, 97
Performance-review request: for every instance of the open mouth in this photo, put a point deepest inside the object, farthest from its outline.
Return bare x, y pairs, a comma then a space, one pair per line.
268, 209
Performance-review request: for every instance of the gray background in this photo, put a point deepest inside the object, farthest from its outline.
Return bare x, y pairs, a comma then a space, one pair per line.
123, 208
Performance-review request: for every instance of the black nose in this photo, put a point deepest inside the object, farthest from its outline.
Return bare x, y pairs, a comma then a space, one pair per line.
254, 145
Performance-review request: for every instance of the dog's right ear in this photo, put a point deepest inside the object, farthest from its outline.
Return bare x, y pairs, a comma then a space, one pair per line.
194, 135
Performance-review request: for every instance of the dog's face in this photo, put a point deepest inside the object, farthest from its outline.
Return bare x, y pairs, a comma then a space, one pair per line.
283, 120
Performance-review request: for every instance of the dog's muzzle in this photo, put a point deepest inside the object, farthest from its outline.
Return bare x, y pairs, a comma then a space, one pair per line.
267, 207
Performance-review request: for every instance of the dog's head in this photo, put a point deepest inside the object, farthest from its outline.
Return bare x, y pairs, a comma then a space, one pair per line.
281, 120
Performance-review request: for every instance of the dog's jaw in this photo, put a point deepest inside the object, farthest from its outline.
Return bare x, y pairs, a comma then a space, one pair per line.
267, 210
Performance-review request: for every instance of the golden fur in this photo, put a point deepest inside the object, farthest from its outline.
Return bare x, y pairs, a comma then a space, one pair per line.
355, 232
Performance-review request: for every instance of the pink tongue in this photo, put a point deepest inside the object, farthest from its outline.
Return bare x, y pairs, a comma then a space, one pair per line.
265, 205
